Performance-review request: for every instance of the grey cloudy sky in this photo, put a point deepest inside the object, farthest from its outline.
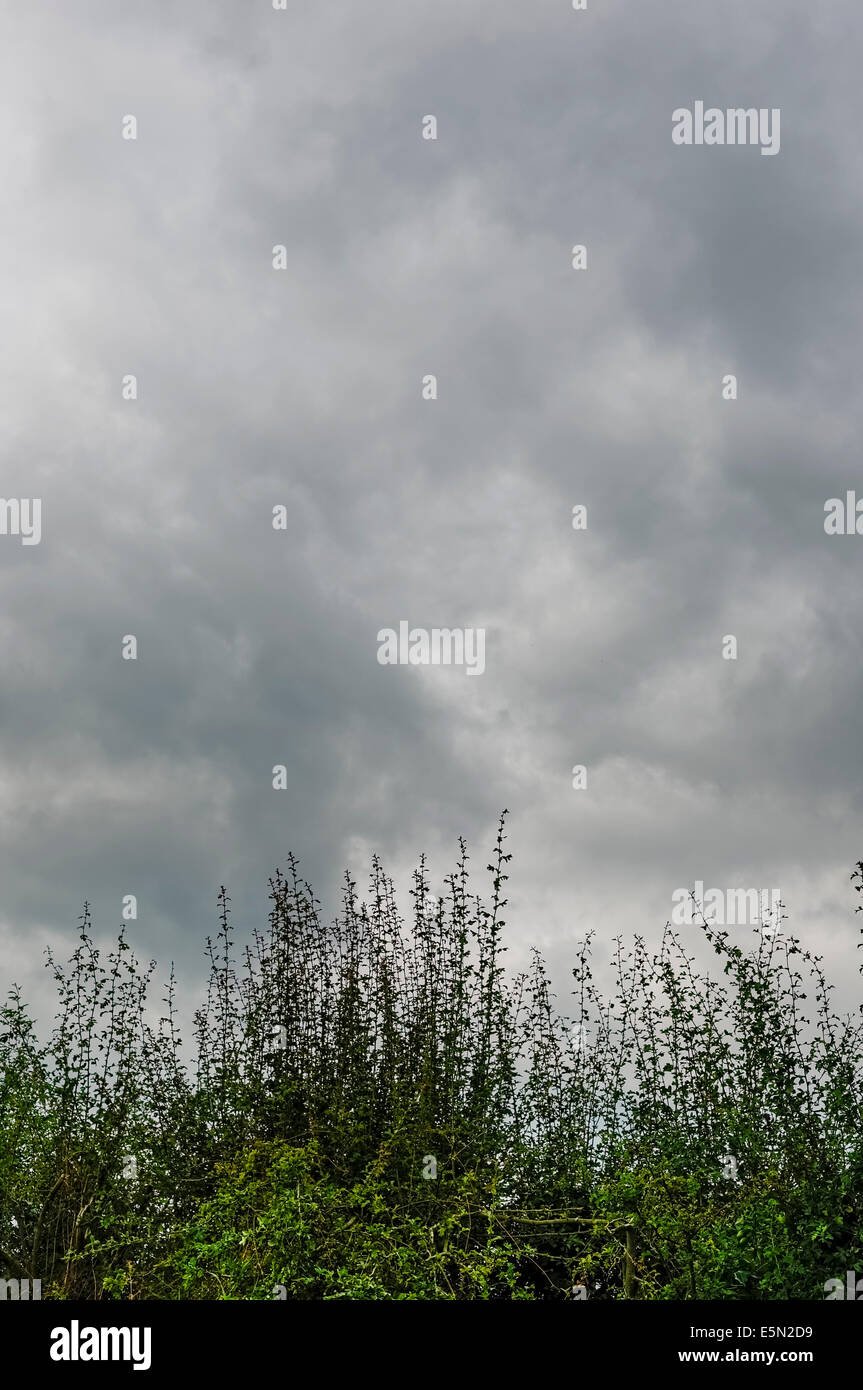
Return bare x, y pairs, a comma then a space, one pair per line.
302, 387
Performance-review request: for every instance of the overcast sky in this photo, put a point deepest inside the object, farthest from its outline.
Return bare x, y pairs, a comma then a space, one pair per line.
303, 387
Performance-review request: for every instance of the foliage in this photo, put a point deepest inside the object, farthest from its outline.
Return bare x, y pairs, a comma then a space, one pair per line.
374, 1113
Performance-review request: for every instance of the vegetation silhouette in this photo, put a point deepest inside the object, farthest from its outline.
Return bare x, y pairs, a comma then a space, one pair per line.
376, 1113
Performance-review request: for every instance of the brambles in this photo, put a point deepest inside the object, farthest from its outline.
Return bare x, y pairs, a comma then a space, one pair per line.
381, 1114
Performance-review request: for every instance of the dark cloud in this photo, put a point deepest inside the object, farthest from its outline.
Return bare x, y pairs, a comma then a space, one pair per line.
406, 257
